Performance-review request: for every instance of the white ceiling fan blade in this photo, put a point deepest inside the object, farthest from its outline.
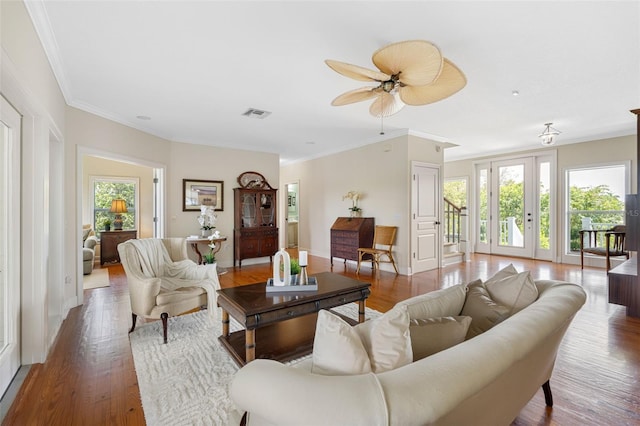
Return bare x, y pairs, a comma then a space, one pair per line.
357, 95
356, 72
386, 104
450, 81
418, 62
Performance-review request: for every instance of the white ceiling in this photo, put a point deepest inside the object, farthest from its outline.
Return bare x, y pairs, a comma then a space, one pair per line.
195, 67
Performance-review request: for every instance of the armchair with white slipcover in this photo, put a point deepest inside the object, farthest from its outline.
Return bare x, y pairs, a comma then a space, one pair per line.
164, 282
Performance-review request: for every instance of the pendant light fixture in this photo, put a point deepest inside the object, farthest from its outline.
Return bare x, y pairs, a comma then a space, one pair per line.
548, 136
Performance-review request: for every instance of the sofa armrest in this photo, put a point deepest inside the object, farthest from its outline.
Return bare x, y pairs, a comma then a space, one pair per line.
273, 393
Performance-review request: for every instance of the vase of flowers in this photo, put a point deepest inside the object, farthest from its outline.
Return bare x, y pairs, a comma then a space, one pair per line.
210, 257
207, 220
354, 196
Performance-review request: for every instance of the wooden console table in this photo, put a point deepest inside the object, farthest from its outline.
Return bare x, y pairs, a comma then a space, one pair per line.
109, 241
193, 242
623, 283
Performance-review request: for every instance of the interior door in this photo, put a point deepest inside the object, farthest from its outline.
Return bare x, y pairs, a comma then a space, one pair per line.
9, 243
425, 217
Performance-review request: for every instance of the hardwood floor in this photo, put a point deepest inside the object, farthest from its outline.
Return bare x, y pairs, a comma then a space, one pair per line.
89, 377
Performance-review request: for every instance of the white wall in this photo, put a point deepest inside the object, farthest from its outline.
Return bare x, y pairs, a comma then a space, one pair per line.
28, 83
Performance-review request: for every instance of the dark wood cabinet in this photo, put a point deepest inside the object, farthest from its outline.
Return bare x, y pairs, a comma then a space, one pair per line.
109, 241
350, 233
255, 231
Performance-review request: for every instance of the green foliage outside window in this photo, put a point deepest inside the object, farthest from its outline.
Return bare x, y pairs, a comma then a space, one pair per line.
106, 191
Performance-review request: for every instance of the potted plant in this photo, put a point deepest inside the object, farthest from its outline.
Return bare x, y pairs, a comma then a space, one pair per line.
107, 224
295, 270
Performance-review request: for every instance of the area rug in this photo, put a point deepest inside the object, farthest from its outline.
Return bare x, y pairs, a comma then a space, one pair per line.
97, 278
186, 381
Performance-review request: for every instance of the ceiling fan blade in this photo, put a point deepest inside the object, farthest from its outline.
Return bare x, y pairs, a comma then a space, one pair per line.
418, 62
386, 104
450, 81
357, 95
356, 72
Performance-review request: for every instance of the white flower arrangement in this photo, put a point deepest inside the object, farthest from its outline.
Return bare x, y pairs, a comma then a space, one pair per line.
207, 218
354, 196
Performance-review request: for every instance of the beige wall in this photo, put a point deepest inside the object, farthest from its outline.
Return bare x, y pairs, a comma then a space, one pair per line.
381, 171
190, 161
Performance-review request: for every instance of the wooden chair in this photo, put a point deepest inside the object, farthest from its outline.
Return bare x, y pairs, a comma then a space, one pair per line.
613, 244
383, 239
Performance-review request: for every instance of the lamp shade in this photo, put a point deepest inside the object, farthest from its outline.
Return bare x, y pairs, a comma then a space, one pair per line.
118, 206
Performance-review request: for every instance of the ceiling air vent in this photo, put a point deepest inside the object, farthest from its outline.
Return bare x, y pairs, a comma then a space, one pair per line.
256, 113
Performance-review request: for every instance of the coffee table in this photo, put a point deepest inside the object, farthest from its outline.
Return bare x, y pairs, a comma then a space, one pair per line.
285, 322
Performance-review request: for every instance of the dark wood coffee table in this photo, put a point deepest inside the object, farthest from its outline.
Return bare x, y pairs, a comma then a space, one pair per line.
287, 321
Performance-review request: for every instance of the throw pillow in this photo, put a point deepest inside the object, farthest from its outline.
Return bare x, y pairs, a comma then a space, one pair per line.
85, 233
515, 292
337, 348
387, 340
440, 303
505, 272
432, 335
484, 312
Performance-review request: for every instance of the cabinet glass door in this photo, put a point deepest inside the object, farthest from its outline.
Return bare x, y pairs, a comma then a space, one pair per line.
249, 210
267, 208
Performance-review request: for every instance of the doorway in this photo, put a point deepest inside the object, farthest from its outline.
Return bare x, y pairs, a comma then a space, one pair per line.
292, 215
10, 279
514, 202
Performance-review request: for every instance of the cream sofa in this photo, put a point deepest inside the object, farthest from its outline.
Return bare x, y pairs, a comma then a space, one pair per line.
485, 380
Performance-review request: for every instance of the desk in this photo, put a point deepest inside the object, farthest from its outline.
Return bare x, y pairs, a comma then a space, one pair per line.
193, 242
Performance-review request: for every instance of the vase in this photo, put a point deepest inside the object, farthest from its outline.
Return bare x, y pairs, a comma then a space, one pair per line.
204, 233
356, 213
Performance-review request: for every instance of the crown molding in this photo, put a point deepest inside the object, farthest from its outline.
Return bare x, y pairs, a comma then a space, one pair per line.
38, 13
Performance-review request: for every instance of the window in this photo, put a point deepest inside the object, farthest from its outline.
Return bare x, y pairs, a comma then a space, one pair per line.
595, 199
106, 189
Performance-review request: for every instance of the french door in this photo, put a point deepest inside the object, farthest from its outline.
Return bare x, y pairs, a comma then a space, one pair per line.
9, 243
514, 214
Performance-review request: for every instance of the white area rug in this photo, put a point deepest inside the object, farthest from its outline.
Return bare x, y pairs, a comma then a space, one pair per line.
186, 381
97, 278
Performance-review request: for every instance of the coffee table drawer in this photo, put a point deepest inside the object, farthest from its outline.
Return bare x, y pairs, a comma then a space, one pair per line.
265, 318
343, 299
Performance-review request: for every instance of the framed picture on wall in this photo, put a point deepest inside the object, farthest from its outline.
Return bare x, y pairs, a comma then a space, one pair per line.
197, 193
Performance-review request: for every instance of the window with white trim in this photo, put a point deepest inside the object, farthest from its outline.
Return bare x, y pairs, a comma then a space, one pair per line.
106, 189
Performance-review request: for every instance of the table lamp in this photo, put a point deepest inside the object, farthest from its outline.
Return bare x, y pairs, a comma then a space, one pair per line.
118, 206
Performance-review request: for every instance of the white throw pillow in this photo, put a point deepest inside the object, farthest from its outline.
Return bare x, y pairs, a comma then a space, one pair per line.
432, 335
387, 340
505, 272
337, 348
515, 291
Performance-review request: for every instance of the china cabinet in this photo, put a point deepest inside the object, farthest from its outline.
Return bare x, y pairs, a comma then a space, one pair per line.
255, 219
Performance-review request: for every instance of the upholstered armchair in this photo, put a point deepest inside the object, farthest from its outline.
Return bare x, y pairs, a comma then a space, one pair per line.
164, 282
89, 242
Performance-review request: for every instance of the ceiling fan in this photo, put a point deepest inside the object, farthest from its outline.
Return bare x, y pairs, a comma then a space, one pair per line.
412, 72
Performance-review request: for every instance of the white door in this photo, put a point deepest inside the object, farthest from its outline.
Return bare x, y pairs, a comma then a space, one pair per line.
9, 243
425, 217
292, 215
515, 207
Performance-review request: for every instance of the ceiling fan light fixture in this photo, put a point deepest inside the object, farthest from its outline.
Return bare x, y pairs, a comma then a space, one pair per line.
548, 136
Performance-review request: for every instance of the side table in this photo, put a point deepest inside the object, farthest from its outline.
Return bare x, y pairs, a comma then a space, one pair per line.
193, 242
109, 241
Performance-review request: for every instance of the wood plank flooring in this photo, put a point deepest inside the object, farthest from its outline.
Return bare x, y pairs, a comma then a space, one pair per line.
89, 377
